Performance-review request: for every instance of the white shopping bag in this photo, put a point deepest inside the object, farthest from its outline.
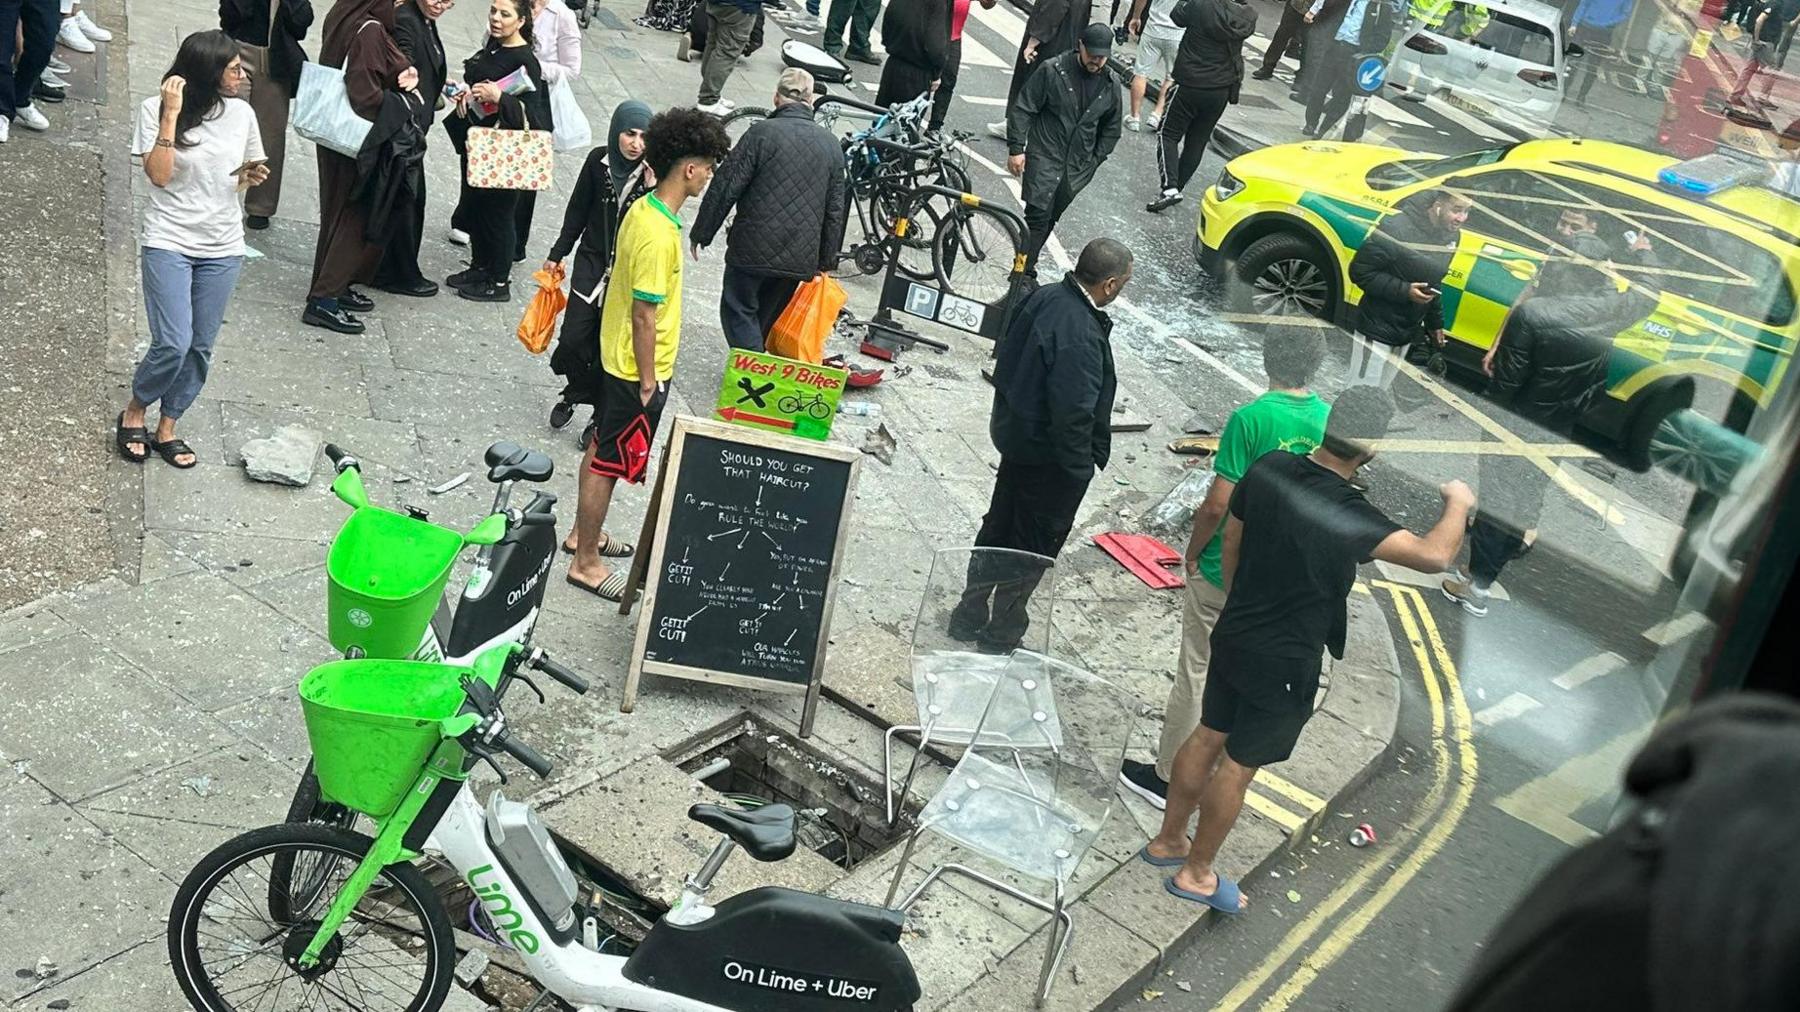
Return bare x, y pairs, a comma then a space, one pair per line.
572, 130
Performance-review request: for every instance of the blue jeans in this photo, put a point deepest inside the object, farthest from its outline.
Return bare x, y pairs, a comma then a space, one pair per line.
185, 297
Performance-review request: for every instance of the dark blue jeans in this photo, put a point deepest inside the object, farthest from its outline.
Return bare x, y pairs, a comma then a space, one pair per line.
40, 19
185, 298
750, 305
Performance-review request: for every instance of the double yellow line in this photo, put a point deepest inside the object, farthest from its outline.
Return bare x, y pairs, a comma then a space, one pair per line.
1447, 800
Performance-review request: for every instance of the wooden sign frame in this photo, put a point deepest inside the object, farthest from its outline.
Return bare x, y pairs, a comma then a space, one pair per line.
656, 523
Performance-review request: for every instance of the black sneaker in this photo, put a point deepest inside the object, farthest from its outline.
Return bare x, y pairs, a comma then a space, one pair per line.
462, 279
355, 301
46, 93
869, 58
487, 291
418, 288
1262, 75
1141, 780
561, 413
1163, 202
331, 319
256, 222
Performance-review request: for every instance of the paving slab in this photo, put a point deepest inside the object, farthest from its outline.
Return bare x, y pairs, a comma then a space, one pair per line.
1088, 977
247, 559
216, 498
27, 625
176, 816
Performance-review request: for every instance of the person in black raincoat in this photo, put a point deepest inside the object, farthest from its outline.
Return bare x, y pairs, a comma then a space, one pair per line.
612, 177
415, 29
1065, 122
916, 34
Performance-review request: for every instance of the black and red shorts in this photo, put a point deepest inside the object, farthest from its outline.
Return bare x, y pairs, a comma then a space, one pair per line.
624, 428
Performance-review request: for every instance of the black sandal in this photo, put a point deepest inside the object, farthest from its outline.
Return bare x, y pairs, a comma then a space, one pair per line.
125, 435
173, 448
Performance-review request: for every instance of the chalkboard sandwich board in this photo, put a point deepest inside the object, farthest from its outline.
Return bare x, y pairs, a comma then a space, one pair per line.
744, 534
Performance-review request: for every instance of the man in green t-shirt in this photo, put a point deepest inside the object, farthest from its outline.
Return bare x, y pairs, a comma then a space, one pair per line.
1290, 417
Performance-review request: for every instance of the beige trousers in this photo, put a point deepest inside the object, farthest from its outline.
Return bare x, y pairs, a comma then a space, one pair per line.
1199, 613
269, 99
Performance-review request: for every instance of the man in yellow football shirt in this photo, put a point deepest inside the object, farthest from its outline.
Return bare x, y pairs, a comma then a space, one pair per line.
640, 330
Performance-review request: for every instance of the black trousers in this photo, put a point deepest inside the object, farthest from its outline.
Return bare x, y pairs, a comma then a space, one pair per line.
1331, 83
1292, 21
576, 357
940, 102
1512, 500
1039, 221
39, 19
901, 82
523, 209
492, 233
1187, 126
750, 305
406, 231
1032, 509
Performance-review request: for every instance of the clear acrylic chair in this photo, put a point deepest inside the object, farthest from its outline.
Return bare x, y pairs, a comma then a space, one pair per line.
1034, 786
980, 604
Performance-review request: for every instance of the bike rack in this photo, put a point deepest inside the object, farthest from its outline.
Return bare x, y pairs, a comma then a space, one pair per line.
887, 337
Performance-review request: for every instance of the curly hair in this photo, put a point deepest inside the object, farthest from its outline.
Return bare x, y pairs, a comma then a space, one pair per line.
678, 134
1292, 355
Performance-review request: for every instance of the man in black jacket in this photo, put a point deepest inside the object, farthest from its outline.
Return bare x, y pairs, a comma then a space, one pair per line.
1399, 268
1065, 122
916, 34
415, 29
1548, 365
272, 57
1052, 29
1358, 29
1209, 68
786, 179
1053, 397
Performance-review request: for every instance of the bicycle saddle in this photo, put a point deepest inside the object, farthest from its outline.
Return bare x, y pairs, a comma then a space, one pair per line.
511, 462
766, 833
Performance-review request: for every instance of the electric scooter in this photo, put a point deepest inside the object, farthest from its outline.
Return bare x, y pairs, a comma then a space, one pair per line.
378, 937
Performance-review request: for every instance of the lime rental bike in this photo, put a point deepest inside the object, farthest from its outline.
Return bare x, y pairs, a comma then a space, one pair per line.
396, 740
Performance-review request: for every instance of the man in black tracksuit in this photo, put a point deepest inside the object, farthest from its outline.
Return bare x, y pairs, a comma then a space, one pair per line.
786, 179
1399, 268
1549, 366
1053, 397
1065, 122
916, 34
1209, 69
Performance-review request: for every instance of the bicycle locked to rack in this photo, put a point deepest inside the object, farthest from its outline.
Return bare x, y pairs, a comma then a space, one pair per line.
396, 740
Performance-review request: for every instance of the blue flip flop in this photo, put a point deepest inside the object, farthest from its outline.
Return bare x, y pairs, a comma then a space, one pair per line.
1153, 861
1224, 899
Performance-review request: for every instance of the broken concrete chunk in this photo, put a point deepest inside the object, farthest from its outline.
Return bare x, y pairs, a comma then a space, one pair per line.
285, 458
470, 968
881, 444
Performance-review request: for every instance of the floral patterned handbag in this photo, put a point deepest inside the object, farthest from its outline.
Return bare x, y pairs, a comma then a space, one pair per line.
511, 159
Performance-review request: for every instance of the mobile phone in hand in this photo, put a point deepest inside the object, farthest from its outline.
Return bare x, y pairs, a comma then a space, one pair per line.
240, 170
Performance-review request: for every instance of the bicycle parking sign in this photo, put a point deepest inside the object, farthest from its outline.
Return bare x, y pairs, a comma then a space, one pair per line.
780, 395
950, 310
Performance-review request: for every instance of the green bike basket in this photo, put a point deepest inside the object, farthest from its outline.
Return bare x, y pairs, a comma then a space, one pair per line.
373, 723
387, 572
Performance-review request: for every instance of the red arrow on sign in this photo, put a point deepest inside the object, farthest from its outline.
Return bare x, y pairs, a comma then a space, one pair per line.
731, 414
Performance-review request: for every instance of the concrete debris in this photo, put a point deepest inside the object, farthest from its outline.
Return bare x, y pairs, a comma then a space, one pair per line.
285, 458
1174, 516
1199, 424
1184, 985
201, 785
452, 483
881, 444
45, 969
470, 968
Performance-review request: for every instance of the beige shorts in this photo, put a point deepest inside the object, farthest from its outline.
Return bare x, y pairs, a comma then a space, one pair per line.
1156, 54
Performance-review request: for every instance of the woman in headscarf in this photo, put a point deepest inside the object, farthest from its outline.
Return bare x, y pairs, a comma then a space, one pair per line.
359, 39
489, 213
611, 178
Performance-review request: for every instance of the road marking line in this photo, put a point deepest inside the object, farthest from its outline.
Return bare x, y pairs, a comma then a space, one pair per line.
1669, 630
1594, 667
1200, 353
1430, 581
1515, 705
1273, 812
1444, 825
1480, 448
1273, 320
1436, 792
980, 99
1291, 791
1002, 22
1548, 803
1394, 114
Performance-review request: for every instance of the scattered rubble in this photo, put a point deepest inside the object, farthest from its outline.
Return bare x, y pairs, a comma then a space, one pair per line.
285, 458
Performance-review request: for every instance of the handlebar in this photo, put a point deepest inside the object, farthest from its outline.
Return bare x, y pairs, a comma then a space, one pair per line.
527, 756
340, 458
526, 518
541, 661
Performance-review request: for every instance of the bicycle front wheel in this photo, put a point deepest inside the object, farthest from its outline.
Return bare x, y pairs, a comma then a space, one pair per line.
303, 877
973, 254
230, 952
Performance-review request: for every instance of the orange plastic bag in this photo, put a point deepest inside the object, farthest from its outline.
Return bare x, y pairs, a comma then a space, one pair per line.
800, 332
539, 324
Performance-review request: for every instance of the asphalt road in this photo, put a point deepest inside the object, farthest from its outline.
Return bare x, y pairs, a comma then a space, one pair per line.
1513, 726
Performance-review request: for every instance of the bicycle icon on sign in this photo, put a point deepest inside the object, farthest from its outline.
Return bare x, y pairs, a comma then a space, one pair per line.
817, 407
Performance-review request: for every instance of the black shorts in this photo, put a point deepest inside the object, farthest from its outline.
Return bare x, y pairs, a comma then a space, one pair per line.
1259, 703
624, 428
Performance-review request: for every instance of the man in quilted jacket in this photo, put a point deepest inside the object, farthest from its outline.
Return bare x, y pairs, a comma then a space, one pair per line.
786, 180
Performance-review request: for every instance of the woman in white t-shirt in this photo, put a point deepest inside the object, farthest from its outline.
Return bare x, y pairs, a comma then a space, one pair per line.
200, 148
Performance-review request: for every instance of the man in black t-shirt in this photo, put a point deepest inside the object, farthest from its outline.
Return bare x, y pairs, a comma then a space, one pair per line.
1770, 24
1297, 531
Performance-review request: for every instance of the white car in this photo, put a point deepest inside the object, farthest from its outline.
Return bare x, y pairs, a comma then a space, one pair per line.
1502, 60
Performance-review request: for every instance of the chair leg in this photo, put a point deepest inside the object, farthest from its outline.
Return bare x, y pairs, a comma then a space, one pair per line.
1062, 927
900, 870
887, 766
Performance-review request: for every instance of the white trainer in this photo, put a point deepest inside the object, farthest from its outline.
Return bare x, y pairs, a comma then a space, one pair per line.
49, 79
457, 237
70, 35
29, 118
997, 129
90, 29
59, 66
5, 129
1133, 124
718, 108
